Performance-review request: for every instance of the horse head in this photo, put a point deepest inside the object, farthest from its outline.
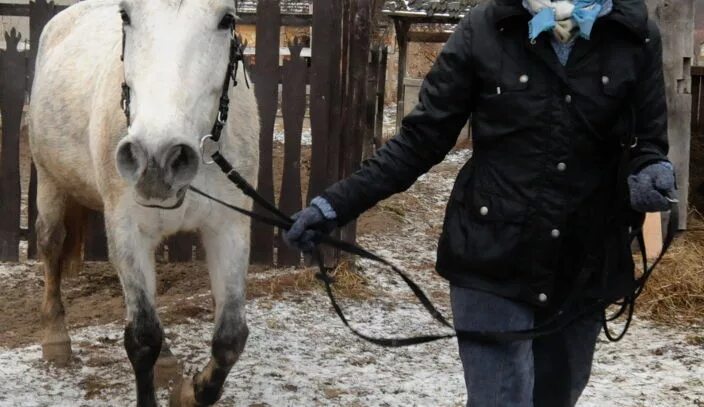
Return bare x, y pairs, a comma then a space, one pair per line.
175, 57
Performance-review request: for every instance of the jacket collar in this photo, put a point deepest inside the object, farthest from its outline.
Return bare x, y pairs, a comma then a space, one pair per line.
631, 14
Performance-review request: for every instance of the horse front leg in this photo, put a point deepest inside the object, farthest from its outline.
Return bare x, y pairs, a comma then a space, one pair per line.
228, 259
132, 253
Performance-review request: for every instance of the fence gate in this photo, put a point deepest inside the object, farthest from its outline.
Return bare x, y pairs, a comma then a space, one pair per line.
340, 84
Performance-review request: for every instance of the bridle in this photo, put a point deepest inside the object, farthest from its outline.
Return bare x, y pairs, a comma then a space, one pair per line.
236, 56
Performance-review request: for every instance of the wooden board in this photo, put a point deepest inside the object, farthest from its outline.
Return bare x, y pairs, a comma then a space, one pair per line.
32, 215
267, 90
381, 92
372, 85
321, 73
12, 98
676, 21
293, 106
181, 247
360, 34
96, 244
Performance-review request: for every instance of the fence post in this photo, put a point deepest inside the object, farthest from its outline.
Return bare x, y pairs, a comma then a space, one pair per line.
267, 91
676, 21
381, 92
12, 98
293, 106
360, 35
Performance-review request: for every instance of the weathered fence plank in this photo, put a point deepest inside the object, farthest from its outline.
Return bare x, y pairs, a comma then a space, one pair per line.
181, 247
676, 20
321, 73
293, 106
381, 92
12, 98
95, 247
32, 215
372, 84
360, 34
267, 89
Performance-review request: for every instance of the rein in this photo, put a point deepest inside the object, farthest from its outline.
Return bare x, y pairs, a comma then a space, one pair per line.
561, 319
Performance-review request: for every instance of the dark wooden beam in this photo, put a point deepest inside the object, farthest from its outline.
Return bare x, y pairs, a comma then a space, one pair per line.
425, 36
20, 10
402, 28
287, 20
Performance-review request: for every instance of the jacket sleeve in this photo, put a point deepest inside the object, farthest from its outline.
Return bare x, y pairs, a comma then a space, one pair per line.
427, 134
650, 107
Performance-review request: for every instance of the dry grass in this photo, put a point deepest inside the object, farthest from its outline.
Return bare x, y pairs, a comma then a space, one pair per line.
348, 283
675, 292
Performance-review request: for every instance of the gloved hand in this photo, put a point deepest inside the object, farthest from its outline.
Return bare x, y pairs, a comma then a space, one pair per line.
308, 223
652, 187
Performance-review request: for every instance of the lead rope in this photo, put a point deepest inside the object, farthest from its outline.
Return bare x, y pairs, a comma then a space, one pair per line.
556, 323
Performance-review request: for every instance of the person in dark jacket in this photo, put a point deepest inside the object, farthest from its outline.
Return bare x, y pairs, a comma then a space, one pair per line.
569, 124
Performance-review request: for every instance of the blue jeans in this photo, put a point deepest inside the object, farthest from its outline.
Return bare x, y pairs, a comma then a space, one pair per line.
546, 372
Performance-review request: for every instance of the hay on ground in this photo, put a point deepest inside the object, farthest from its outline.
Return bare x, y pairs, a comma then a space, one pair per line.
675, 292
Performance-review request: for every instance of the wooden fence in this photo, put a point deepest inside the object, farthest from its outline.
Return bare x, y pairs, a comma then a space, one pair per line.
346, 80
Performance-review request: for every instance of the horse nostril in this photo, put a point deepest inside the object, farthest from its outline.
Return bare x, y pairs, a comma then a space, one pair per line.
130, 160
181, 164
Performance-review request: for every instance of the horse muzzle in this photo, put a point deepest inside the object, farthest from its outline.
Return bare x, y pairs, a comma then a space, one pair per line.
159, 179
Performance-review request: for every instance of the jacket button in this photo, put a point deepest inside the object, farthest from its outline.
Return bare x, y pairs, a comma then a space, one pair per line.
523, 79
542, 297
561, 167
555, 233
605, 80
484, 211
568, 98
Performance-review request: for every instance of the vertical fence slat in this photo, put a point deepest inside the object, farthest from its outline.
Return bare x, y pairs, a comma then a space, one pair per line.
267, 89
95, 247
181, 247
381, 92
325, 103
372, 83
360, 34
32, 215
321, 76
293, 107
12, 98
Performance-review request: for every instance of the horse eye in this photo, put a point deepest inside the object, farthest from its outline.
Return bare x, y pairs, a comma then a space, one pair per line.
125, 17
227, 22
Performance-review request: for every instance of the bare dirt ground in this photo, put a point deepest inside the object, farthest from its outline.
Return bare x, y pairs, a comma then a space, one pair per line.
298, 353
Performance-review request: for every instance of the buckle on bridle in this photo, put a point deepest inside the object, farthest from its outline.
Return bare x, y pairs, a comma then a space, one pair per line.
203, 153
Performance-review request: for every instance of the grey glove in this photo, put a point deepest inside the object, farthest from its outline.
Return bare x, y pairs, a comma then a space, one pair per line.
652, 188
309, 224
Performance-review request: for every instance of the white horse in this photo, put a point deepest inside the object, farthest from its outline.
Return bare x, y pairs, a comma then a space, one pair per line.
176, 54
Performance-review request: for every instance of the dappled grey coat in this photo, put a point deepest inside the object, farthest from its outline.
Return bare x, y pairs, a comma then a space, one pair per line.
541, 199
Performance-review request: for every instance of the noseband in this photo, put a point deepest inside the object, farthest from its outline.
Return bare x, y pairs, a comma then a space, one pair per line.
236, 56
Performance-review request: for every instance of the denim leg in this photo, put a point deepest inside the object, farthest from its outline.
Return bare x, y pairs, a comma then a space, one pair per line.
563, 363
496, 375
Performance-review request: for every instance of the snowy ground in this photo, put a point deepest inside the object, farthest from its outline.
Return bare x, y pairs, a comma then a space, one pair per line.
299, 354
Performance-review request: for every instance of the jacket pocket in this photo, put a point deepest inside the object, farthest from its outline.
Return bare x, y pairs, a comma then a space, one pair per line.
483, 234
616, 84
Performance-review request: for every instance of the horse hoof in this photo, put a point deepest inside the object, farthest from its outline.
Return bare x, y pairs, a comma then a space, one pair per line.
183, 395
166, 370
57, 353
